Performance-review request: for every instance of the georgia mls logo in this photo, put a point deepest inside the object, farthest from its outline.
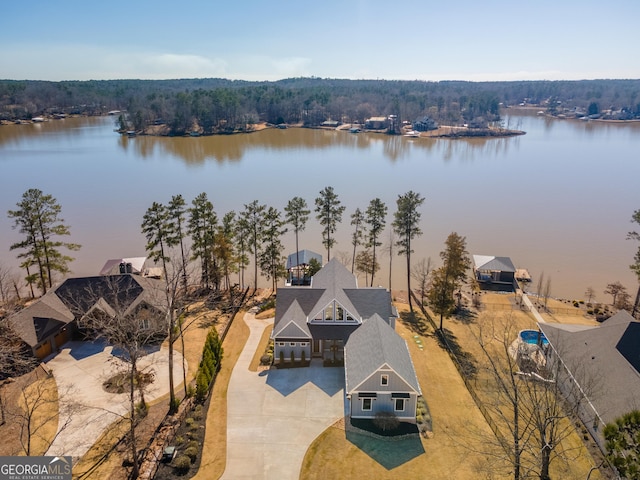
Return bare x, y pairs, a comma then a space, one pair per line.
35, 468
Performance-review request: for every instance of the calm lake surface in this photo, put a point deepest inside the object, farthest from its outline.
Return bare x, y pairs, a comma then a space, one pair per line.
557, 200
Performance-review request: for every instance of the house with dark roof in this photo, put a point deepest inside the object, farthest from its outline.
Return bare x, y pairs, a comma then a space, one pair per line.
51, 321
496, 272
604, 363
334, 320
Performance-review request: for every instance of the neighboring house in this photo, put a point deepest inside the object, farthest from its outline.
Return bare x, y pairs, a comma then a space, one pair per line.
336, 321
376, 123
298, 274
425, 124
604, 361
52, 320
492, 271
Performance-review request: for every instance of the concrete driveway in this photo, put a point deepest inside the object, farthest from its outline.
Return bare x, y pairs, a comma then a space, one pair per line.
86, 409
273, 416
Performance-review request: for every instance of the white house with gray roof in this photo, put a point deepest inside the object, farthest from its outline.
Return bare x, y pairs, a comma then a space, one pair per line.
334, 320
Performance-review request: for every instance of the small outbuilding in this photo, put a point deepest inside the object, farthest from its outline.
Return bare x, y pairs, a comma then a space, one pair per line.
298, 267
496, 272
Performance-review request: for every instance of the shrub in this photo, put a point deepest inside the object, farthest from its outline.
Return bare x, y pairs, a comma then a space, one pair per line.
179, 440
293, 358
590, 312
192, 453
191, 391
182, 463
197, 412
303, 356
192, 444
386, 421
189, 422
281, 357
265, 359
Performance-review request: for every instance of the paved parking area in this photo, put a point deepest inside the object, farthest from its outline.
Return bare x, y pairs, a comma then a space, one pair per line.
273, 416
86, 409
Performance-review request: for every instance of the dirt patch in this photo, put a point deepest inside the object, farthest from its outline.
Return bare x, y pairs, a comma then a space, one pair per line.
120, 383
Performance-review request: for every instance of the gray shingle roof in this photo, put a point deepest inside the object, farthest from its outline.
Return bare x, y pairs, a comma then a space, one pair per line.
76, 296
373, 345
48, 307
293, 323
607, 355
485, 262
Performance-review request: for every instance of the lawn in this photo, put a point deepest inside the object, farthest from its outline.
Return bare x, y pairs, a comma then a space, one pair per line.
461, 444
449, 452
214, 457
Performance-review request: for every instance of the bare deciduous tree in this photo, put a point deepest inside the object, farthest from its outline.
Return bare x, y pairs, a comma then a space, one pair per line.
532, 400
131, 327
420, 273
39, 405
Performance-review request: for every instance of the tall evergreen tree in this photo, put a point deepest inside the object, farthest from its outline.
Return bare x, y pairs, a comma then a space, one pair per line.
271, 259
160, 234
253, 215
357, 219
376, 220
448, 278
297, 214
241, 234
176, 211
224, 245
329, 213
202, 228
406, 224
38, 219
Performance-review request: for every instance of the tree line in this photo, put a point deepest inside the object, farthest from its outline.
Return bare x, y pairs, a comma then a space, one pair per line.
224, 106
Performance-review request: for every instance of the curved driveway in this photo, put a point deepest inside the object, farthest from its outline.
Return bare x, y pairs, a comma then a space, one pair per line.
274, 415
86, 409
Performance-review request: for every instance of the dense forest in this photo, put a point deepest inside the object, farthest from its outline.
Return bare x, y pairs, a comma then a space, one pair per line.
225, 106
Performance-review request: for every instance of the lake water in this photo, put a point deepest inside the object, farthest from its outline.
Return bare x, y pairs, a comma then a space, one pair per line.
557, 200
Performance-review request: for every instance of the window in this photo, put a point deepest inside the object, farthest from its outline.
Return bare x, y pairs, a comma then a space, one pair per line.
366, 404
384, 380
399, 405
144, 324
292, 344
281, 344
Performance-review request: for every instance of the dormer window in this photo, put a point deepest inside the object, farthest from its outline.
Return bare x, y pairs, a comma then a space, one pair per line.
384, 380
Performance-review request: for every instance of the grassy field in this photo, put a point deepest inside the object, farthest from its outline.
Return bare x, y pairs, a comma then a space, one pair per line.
461, 445
448, 453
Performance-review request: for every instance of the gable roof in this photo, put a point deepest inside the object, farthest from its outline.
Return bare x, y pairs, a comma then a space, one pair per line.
120, 292
290, 325
305, 257
75, 297
607, 354
373, 346
487, 262
33, 321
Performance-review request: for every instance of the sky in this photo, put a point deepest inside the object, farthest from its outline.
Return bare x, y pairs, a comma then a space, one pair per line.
492, 40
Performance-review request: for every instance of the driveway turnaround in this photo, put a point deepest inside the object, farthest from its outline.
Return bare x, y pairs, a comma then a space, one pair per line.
86, 409
274, 415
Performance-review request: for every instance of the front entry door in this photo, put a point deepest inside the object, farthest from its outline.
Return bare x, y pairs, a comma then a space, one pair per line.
317, 348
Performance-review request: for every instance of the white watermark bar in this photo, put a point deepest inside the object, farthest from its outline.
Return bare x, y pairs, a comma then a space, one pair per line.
35, 468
